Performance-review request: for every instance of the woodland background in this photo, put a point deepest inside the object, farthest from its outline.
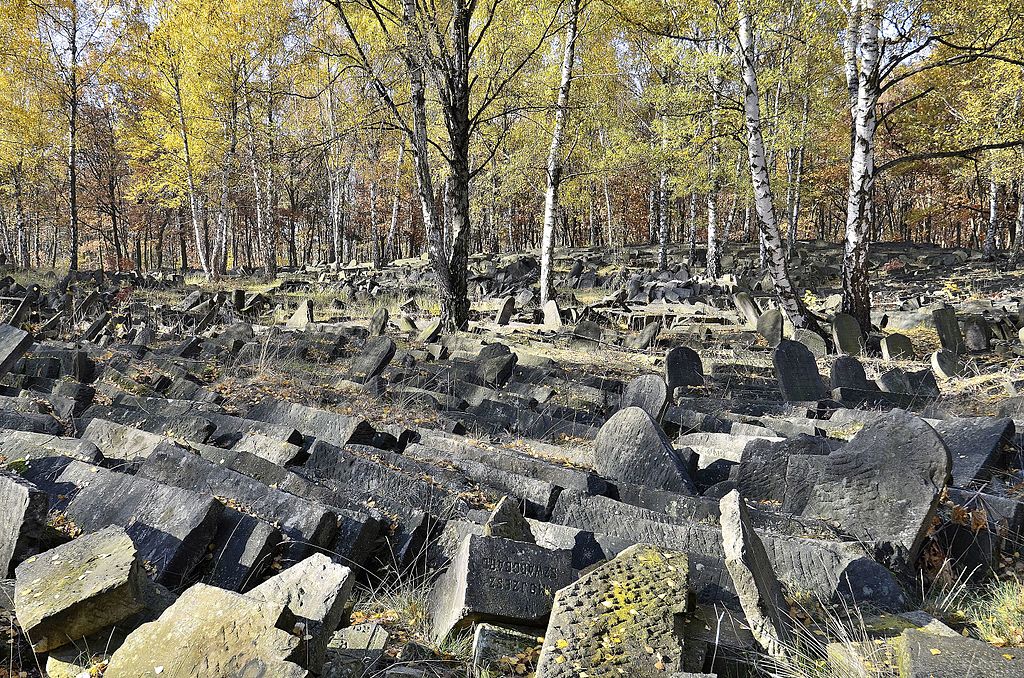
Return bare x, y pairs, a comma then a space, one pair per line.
214, 134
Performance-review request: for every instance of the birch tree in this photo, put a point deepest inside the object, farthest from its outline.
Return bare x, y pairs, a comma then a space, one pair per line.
791, 304
554, 165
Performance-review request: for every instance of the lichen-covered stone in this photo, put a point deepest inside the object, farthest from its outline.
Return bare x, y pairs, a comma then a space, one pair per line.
622, 618
212, 633
78, 588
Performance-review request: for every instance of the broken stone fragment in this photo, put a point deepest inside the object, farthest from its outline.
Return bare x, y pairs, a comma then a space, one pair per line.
315, 591
498, 580
754, 579
621, 618
78, 588
23, 507
212, 633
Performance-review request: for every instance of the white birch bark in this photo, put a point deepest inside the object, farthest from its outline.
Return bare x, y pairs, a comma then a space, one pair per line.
856, 292
760, 181
554, 169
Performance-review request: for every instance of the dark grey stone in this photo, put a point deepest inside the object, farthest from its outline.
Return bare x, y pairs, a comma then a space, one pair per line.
648, 392
683, 367
797, 371
632, 447
498, 580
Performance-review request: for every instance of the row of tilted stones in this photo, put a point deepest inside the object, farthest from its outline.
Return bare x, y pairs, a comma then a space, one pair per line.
573, 512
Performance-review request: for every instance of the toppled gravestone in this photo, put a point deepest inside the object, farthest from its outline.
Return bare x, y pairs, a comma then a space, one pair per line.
881, 488
171, 527
78, 588
13, 344
752, 575
500, 580
376, 354
920, 654
632, 447
212, 632
621, 618
23, 507
315, 591
648, 392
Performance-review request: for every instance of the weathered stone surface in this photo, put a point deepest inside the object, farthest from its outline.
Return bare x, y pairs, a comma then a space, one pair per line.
846, 334
683, 367
824, 568
497, 650
797, 372
632, 447
272, 449
315, 591
622, 617
498, 580
812, 340
508, 522
506, 308
243, 548
336, 429
925, 655
769, 326
552, 316
78, 588
881, 488
948, 329
356, 651
946, 364
13, 344
976, 446
897, 347
126, 443
302, 316
19, 445
977, 334
847, 372
170, 526
307, 524
753, 577
209, 632
23, 507
379, 322
648, 392
747, 308
376, 354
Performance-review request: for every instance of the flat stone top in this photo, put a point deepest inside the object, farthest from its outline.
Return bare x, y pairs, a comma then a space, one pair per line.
72, 572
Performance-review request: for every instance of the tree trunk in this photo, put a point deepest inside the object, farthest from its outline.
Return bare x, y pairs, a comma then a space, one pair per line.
21, 223
396, 202
990, 232
193, 192
551, 204
856, 289
769, 228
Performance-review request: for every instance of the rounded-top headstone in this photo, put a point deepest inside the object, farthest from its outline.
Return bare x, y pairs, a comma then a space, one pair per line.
648, 392
769, 326
946, 364
846, 334
631, 447
683, 367
797, 371
812, 340
897, 347
847, 372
